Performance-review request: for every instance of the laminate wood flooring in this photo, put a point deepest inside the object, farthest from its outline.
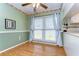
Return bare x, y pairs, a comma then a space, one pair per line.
35, 49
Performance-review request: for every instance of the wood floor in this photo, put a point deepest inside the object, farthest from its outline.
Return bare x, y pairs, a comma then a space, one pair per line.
35, 49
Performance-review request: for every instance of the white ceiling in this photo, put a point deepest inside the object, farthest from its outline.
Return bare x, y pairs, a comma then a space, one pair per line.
29, 9
74, 10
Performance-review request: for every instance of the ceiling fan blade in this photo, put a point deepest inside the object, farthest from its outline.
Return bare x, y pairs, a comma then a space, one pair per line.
25, 4
44, 6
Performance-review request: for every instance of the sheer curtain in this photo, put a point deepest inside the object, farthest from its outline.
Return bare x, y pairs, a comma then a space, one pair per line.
31, 28
57, 27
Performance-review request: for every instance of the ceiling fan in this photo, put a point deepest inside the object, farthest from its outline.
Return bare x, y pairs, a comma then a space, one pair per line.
36, 5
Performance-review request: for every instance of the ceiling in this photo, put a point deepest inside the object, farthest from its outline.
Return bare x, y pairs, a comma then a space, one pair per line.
74, 10
29, 9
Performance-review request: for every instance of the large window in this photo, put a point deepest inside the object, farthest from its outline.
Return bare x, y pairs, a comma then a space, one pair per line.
43, 29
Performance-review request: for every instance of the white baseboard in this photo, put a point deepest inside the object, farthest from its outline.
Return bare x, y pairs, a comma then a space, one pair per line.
44, 43
13, 46
47, 43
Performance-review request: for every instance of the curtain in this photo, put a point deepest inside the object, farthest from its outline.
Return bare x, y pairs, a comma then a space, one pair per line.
31, 28
57, 24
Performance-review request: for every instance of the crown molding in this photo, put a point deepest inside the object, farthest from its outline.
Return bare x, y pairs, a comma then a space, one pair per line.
18, 10
37, 13
47, 12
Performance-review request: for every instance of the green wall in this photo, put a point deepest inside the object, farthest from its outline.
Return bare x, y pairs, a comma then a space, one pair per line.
22, 23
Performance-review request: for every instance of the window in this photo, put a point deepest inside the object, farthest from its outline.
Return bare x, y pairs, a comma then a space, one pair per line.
43, 29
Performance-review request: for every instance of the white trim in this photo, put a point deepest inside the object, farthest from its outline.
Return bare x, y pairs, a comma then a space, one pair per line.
14, 31
13, 47
44, 43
